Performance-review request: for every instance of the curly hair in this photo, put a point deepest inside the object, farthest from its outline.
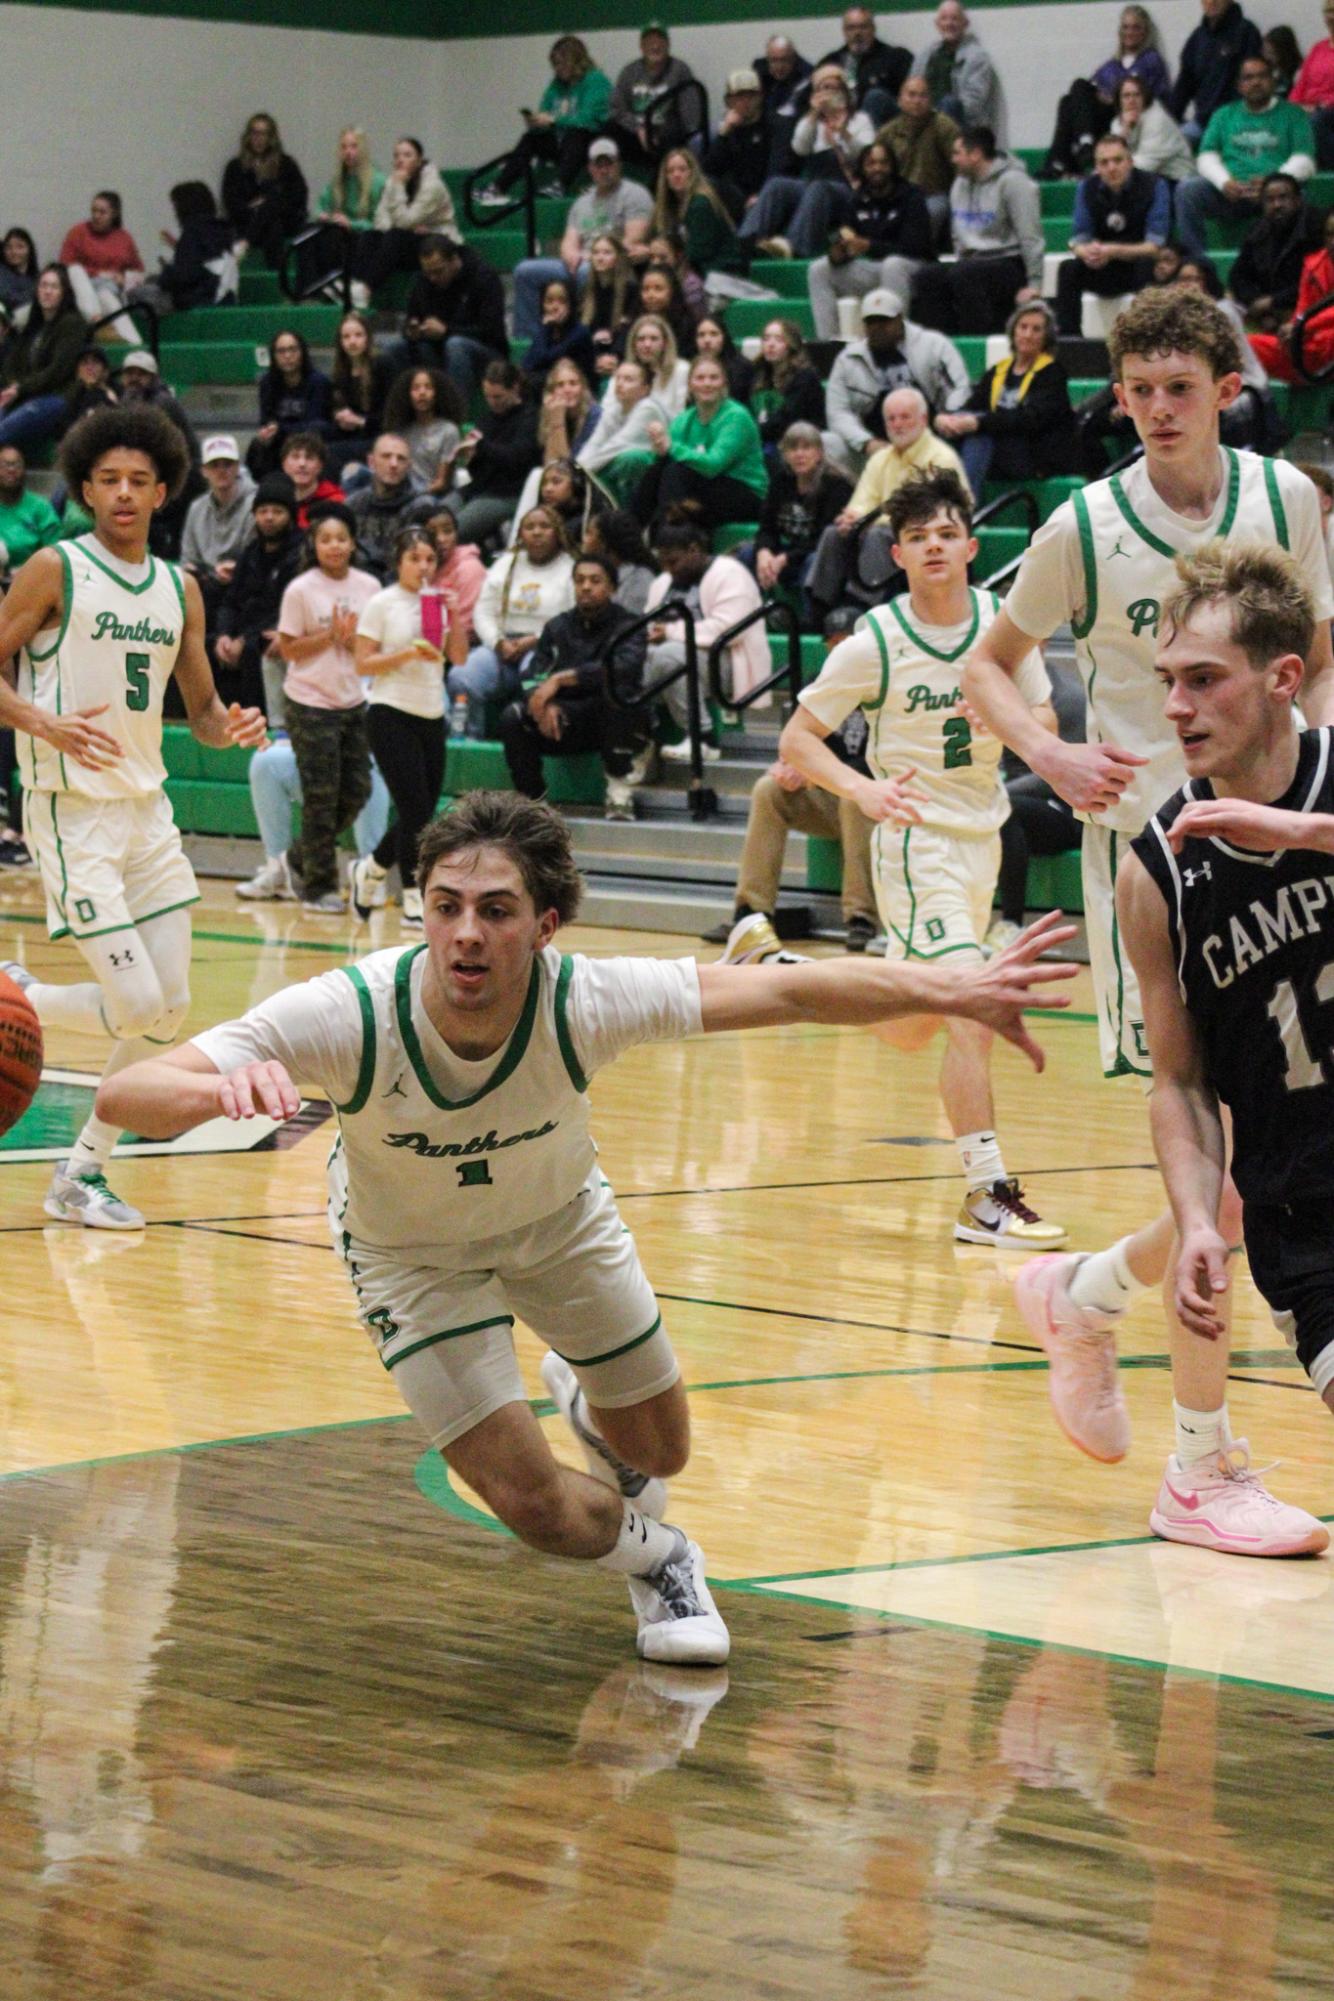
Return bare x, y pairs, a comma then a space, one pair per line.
398, 410
130, 427
1271, 608
1166, 321
533, 836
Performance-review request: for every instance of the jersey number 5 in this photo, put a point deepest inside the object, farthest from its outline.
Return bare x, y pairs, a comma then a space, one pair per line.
1304, 1066
958, 734
137, 667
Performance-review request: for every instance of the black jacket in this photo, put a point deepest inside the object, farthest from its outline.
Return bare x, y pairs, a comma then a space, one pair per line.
202, 241
1269, 263
284, 196
895, 225
791, 523
472, 304
507, 454
1035, 439
380, 516
300, 406
1212, 55
802, 401
252, 600
740, 160
569, 642
883, 67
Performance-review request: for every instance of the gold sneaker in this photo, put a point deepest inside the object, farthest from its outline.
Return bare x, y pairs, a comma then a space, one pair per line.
1000, 1215
753, 942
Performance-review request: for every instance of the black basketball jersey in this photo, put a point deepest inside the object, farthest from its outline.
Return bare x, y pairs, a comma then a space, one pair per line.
1253, 936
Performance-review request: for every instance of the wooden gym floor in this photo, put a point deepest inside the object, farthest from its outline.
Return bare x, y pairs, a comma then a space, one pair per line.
283, 1715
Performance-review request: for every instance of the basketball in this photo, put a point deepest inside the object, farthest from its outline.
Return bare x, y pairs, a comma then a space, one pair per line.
20, 1053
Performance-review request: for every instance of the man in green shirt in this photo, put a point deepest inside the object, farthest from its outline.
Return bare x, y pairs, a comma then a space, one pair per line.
28, 521
1258, 133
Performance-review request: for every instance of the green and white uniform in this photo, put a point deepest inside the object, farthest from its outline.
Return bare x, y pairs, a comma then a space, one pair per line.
1104, 563
108, 848
935, 883
463, 1195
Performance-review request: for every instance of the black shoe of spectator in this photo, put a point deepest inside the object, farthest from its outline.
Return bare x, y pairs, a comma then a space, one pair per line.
859, 934
14, 852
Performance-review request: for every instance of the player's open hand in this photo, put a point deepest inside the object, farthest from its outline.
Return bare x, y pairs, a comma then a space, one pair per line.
998, 992
247, 727
258, 1087
76, 735
1089, 776
1243, 822
1201, 1282
892, 799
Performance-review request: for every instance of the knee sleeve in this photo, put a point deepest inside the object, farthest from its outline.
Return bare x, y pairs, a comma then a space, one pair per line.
168, 1024
132, 997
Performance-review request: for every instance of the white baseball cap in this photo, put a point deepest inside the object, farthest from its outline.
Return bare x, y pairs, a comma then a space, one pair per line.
221, 447
139, 357
882, 305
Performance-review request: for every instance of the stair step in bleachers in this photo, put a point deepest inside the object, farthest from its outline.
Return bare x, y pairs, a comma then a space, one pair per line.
258, 324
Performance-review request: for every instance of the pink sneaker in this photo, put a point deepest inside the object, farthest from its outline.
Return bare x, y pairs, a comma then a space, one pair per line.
1086, 1397
1218, 1503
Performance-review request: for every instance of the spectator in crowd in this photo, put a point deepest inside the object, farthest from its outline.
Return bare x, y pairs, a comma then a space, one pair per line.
1267, 274
1086, 111
737, 162
140, 381
568, 711
1279, 45
425, 409
294, 395
922, 142
783, 802
355, 186
782, 73
570, 113
688, 203
455, 313
713, 336
247, 615
305, 463
561, 335
275, 790
1017, 424
203, 268
644, 125
527, 586
572, 494
1122, 219
851, 561
881, 237
325, 702
831, 133
358, 385
796, 211
650, 339
619, 451
405, 634
1246, 139
103, 262
1157, 143
459, 566
786, 388
997, 233
612, 203
875, 70
1040, 822
1250, 422
499, 454
608, 301
19, 270
617, 534
218, 523
712, 455
959, 73
28, 522
1210, 61
893, 353
662, 295
722, 591
93, 389
413, 203
567, 415
1276, 348
390, 502
806, 495
39, 367
263, 191
1314, 90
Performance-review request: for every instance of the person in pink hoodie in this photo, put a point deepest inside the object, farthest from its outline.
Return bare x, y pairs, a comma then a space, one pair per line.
720, 590
460, 569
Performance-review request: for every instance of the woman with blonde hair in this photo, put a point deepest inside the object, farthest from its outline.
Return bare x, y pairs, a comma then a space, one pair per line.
263, 191
688, 204
355, 186
785, 388
1086, 111
651, 339
608, 298
571, 112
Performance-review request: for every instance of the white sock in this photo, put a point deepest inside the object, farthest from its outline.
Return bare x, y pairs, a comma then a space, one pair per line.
1201, 1434
77, 1006
1104, 1282
642, 1544
92, 1149
980, 1159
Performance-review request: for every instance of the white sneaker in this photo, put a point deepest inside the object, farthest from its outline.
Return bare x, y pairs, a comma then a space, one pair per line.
752, 941
20, 975
412, 908
679, 753
493, 197
1000, 934
620, 801
361, 294
86, 1199
366, 885
270, 884
1000, 1215
678, 1620
604, 1464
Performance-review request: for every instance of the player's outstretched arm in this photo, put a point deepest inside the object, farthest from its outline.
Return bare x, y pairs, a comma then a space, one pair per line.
803, 746
858, 993
1187, 1128
209, 721
172, 1094
35, 600
1248, 825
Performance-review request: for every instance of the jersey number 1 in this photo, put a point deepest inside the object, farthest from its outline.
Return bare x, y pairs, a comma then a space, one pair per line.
137, 666
1304, 1068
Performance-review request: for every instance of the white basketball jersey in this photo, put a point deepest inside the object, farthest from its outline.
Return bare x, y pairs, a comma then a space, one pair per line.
411, 1168
116, 644
917, 723
1128, 572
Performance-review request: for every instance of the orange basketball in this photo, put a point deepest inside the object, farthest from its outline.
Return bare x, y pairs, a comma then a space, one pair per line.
20, 1053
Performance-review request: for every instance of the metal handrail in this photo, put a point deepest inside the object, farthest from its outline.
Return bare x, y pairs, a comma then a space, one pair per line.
1299, 327
339, 274
1016, 496
701, 799
144, 306
791, 673
525, 200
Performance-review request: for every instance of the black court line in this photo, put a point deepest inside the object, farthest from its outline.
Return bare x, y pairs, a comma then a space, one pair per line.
877, 1180
251, 1236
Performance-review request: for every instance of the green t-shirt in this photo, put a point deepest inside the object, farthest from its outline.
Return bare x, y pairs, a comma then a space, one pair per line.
1255, 143
31, 524
585, 104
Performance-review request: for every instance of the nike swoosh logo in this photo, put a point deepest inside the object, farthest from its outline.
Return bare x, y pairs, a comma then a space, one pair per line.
1190, 1502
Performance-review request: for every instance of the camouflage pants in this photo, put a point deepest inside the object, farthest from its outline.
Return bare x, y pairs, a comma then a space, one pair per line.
334, 761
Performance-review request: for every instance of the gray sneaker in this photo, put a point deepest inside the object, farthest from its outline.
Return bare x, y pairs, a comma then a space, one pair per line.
86, 1199
20, 975
331, 904
620, 802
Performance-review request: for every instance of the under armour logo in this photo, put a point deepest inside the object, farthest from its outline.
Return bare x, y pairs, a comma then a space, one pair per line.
396, 1088
1190, 876
122, 959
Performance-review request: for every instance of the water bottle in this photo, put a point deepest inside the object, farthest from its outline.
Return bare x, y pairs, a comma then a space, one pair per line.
458, 716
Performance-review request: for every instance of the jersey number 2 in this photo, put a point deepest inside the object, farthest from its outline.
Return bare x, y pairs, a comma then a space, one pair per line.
137, 667
1304, 1066
958, 740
